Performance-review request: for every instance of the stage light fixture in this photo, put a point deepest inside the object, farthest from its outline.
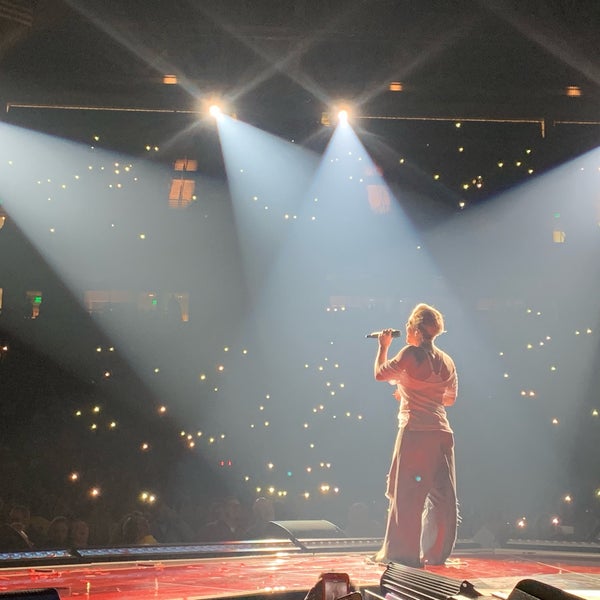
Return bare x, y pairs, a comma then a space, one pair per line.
213, 106
343, 115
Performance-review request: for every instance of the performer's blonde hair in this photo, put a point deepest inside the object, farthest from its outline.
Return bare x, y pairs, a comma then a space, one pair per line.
428, 321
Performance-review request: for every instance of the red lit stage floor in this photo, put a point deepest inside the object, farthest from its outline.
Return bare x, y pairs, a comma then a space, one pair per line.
490, 572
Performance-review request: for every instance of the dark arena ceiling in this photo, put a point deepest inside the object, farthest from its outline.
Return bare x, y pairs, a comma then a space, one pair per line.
452, 57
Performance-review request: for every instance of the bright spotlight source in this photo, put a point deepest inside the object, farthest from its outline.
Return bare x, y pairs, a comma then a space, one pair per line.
343, 116
214, 110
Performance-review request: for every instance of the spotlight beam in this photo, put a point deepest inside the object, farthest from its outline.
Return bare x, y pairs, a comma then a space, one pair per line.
282, 64
443, 41
128, 40
551, 41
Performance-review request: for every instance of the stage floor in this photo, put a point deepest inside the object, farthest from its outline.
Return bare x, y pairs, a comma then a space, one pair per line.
490, 572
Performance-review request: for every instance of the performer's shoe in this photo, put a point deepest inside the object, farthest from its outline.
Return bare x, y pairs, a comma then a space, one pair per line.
382, 560
377, 560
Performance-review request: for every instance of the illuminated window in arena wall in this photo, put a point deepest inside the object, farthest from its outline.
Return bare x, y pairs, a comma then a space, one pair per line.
185, 164
182, 189
181, 193
172, 305
33, 301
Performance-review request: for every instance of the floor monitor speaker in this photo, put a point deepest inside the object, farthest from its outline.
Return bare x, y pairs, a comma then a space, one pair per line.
304, 530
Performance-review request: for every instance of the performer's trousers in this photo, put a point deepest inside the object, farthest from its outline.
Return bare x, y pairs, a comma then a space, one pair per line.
422, 517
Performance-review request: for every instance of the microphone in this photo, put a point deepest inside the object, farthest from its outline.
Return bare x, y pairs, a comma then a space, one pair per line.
375, 334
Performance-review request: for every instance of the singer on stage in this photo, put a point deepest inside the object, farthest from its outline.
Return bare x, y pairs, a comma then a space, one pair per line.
421, 486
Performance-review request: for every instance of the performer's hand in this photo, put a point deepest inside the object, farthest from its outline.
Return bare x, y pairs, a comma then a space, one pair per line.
385, 338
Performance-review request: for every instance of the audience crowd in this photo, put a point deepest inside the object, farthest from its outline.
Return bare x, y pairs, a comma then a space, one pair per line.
97, 525
47, 521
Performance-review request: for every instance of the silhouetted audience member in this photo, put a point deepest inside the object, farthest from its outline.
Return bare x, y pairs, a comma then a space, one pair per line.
263, 512
230, 526
37, 530
135, 530
494, 532
19, 519
19, 516
79, 533
166, 525
57, 534
193, 513
12, 539
215, 511
360, 523
101, 525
